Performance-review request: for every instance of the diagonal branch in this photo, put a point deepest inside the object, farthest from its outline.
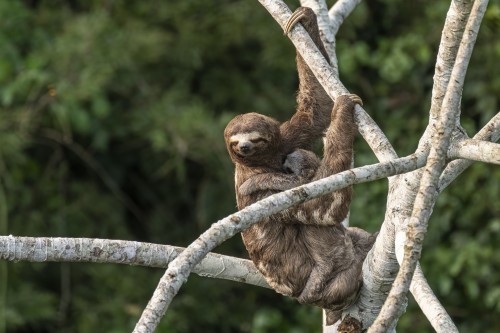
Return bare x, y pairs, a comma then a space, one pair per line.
325, 29
373, 135
181, 267
427, 194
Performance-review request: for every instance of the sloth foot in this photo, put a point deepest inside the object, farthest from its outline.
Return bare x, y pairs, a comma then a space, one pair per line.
304, 14
353, 97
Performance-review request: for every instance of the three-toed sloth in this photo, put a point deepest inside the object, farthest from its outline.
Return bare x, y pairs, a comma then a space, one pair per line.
304, 252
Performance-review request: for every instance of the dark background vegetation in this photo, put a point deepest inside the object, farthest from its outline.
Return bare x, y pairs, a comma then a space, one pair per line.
111, 123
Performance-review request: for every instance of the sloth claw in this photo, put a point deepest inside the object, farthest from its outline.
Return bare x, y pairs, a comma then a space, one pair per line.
353, 98
295, 18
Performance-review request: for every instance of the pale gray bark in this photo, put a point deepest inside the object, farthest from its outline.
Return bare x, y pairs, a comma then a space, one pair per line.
381, 265
423, 295
490, 132
373, 135
476, 150
48, 249
339, 11
379, 276
325, 28
427, 194
180, 268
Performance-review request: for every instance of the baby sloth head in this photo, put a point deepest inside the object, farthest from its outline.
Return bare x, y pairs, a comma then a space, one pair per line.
252, 139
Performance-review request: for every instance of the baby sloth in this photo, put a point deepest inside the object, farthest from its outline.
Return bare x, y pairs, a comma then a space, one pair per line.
304, 252
299, 166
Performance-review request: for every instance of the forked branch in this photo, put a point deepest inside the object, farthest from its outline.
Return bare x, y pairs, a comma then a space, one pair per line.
427, 194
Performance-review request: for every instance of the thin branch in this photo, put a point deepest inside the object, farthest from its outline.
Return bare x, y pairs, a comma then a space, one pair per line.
451, 36
422, 292
180, 268
432, 309
325, 30
490, 132
450, 42
427, 194
339, 11
48, 249
381, 263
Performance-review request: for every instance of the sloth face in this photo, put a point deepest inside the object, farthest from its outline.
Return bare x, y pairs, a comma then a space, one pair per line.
253, 139
302, 163
248, 144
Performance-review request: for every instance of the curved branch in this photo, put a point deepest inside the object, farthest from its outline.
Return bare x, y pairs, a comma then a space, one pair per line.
339, 11
48, 249
427, 194
181, 267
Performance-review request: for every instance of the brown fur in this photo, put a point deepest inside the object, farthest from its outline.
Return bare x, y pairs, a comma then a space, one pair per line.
300, 167
303, 252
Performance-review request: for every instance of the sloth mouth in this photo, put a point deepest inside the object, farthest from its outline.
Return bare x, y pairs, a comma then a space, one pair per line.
243, 155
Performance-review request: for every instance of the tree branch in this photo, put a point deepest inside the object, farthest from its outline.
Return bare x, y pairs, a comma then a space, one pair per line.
476, 150
180, 268
339, 11
433, 310
427, 194
423, 294
48, 249
381, 264
322, 70
325, 29
490, 132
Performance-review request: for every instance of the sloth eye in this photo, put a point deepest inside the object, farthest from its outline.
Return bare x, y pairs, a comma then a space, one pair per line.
258, 140
234, 143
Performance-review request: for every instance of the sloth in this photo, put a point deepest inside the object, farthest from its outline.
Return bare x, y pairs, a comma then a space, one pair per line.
303, 252
300, 167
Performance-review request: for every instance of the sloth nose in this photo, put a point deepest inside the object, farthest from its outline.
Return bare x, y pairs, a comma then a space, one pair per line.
245, 147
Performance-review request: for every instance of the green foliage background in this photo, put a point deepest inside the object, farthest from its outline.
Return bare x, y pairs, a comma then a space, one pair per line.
111, 121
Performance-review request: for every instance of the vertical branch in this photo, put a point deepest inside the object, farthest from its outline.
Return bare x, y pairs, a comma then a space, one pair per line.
325, 29
427, 194
381, 264
448, 48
